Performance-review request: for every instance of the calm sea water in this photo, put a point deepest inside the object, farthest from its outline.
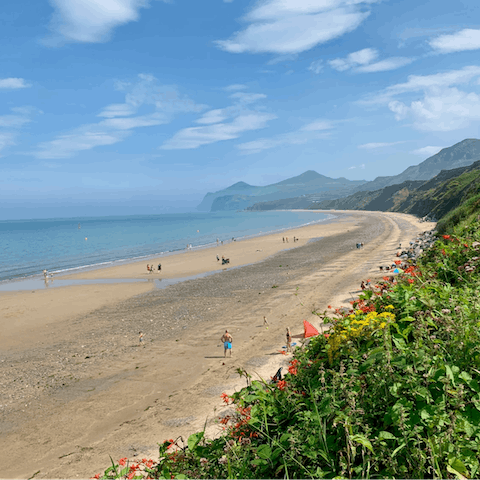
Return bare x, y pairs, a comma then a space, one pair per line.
59, 245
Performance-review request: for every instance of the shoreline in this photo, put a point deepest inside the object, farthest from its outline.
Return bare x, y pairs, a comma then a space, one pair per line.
109, 396
167, 253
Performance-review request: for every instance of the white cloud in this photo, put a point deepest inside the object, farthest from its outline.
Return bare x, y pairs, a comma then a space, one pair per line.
146, 93
467, 39
439, 104
371, 146
7, 139
246, 98
294, 26
385, 65
362, 61
213, 116
316, 66
92, 21
361, 57
235, 87
440, 110
195, 137
427, 151
117, 110
317, 125
13, 83
313, 130
362, 166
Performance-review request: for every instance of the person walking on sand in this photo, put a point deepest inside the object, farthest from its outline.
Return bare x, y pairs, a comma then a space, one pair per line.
265, 322
227, 343
159, 267
148, 268
218, 258
140, 337
289, 340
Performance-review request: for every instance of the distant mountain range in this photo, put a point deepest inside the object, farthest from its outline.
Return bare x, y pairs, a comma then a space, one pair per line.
242, 195
370, 194
434, 198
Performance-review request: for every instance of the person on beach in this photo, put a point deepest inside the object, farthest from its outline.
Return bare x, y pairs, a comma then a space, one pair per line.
148, 268
159, 267
289, 340
362, 285
140, 337
283, 239
265, 322
227, 343
286, 238
218, 258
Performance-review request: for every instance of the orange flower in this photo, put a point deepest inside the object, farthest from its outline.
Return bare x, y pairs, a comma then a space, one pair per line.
282, 384
411, 280
122, 461
330, 306
225, 398
446, 237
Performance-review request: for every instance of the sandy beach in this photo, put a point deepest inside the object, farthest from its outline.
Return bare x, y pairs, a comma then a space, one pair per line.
78, 386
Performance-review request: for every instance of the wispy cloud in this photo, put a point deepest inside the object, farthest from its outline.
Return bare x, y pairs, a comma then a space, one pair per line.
120, 119
235, 87
13, 83
426, 151
91, 21
195, 137
353, 167
294, 26
467, 39
363, 61
316, 66
11, 124
242, 116
371, 146
314, 130
443, 107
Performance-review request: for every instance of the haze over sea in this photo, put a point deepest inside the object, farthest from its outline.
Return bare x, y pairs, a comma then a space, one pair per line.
60, 245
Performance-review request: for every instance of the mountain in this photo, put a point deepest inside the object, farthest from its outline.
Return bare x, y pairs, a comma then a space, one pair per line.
435, 198
459, 155
242, 195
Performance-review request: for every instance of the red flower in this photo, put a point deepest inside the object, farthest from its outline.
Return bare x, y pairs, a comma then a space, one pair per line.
465, 245
398, 262
411, 280
282, 384
446, 237
443, 251
131, 475
225, 398
293, 370
329, 306
96, 476
386, 279
122, 461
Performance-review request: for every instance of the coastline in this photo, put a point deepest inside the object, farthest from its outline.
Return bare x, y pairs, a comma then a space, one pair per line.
122, 399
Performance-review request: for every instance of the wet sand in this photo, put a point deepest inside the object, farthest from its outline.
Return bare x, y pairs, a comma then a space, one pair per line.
88, 389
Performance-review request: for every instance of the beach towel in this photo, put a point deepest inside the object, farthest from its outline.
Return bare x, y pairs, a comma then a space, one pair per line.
309, 330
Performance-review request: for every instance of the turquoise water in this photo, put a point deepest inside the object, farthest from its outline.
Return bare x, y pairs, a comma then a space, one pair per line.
61, 245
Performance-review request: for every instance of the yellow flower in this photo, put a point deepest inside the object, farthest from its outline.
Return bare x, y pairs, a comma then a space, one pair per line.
389, 306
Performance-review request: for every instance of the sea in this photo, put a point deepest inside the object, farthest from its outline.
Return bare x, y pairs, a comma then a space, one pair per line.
67, 245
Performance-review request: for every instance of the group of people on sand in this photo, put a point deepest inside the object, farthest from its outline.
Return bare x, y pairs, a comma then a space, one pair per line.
224, 260
151, 268
285, 239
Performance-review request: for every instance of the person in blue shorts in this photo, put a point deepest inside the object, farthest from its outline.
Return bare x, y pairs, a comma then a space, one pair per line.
227, 343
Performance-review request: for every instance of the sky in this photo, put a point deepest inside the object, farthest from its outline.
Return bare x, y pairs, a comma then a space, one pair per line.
111, 107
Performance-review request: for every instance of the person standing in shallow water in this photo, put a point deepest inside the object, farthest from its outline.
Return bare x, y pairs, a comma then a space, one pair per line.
227, 343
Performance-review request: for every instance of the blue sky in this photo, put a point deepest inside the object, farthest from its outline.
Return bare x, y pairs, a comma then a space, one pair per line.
143, 106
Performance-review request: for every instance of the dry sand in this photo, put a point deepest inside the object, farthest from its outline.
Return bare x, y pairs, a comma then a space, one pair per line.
87, 389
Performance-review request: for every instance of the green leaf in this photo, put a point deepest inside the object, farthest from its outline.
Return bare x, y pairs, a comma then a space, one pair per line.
458, 463
362, 440
264, 451
398, 449
383, 435
193, 440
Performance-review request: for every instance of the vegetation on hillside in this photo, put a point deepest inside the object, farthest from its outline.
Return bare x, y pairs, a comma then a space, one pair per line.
393, 391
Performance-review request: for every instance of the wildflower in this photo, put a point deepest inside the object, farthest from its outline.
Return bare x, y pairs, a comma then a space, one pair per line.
389, 307
398, 262
282, 384
329, 306
446, 237
465, 245
131, 475
96, 476
203, 461
445, 310
411, 280
225, 398
123, 460
443, 251
222, 460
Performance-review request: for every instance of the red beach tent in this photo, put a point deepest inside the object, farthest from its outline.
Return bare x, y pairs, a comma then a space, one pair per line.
309, 330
